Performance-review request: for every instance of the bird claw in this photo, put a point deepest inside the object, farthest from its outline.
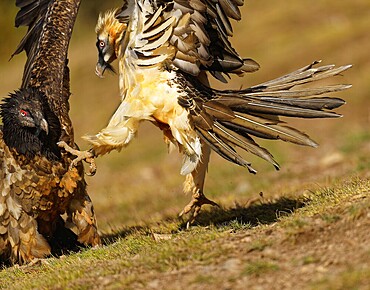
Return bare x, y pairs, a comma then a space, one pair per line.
87, 156
195, 205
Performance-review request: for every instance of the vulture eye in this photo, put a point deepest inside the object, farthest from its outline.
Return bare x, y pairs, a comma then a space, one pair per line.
23, 113
101, 43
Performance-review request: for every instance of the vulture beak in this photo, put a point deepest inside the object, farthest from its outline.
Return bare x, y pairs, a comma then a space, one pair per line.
43, 126
102, 66
100, 69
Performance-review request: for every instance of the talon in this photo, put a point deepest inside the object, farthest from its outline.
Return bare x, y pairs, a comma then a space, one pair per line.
195, 205
87, 156
92, 167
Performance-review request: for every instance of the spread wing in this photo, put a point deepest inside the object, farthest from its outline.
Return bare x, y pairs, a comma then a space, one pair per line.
191, 35
32, 14
46, 42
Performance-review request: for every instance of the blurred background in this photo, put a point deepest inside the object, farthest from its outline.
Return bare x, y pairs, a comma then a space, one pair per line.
142, 183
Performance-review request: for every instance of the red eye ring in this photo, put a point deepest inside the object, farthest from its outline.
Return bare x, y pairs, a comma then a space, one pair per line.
23, 113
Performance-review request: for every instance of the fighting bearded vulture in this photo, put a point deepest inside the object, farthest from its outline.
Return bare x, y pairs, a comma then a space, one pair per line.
37, 188
166, 50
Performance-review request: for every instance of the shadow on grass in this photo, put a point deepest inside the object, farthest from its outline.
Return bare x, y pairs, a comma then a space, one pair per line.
260, 212
110, 238
251, 215
254, 214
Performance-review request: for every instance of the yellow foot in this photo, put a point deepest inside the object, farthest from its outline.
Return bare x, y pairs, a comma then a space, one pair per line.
195, 204
87, 156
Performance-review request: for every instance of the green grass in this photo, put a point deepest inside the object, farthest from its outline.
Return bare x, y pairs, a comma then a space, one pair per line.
258, 268
131, 253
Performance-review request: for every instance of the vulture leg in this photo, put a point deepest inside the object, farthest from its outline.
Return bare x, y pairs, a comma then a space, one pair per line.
27, 243
194, 183
81, 214
88, 156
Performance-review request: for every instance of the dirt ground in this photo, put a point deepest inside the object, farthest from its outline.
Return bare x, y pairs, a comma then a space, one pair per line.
315, 256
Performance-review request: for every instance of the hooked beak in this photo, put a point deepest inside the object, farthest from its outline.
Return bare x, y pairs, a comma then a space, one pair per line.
102, 66
100, 69
43, 126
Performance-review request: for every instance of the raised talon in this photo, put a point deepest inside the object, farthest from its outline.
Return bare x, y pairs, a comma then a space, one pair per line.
195, 204
87, 156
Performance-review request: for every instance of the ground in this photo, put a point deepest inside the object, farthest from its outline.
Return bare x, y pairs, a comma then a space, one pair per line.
303, 227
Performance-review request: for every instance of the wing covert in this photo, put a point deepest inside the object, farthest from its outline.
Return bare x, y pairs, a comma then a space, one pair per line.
192, 35
208, 23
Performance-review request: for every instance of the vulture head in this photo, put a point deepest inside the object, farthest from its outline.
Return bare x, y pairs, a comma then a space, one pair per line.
110, 33
29, 125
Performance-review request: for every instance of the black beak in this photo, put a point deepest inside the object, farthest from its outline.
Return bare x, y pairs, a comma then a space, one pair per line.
102, 66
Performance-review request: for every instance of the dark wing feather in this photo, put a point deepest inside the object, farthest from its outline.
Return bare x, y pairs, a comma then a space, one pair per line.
193, 35
50, 24
31, 14
230, 118
29, 11
210, 23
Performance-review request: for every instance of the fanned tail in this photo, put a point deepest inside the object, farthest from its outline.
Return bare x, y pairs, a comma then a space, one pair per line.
229, 119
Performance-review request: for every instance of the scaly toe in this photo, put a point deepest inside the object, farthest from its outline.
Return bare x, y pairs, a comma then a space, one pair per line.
187, 208
195, 205
86, 156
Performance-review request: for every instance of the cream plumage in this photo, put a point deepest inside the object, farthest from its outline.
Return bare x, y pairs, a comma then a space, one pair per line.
165, 51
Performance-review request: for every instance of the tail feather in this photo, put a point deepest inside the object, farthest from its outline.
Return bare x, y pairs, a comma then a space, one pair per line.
301, 76
309, 108
309, 103
244, 142
234, 116
245, 132
265, 127
284, 92
224, 149
219, 110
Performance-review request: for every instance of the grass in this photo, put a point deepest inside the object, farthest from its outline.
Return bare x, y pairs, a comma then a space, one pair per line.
350, 279
304, 227
132, 256
259, 268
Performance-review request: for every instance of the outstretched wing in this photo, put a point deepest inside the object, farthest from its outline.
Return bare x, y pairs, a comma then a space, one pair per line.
32, 14
50, 24
191, 35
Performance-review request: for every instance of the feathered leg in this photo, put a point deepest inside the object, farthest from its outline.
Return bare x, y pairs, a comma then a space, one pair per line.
194, 183
81, 214
20, 239
25, 242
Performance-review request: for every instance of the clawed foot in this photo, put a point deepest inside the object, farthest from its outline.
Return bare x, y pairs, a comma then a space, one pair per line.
195, 205
87, 156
